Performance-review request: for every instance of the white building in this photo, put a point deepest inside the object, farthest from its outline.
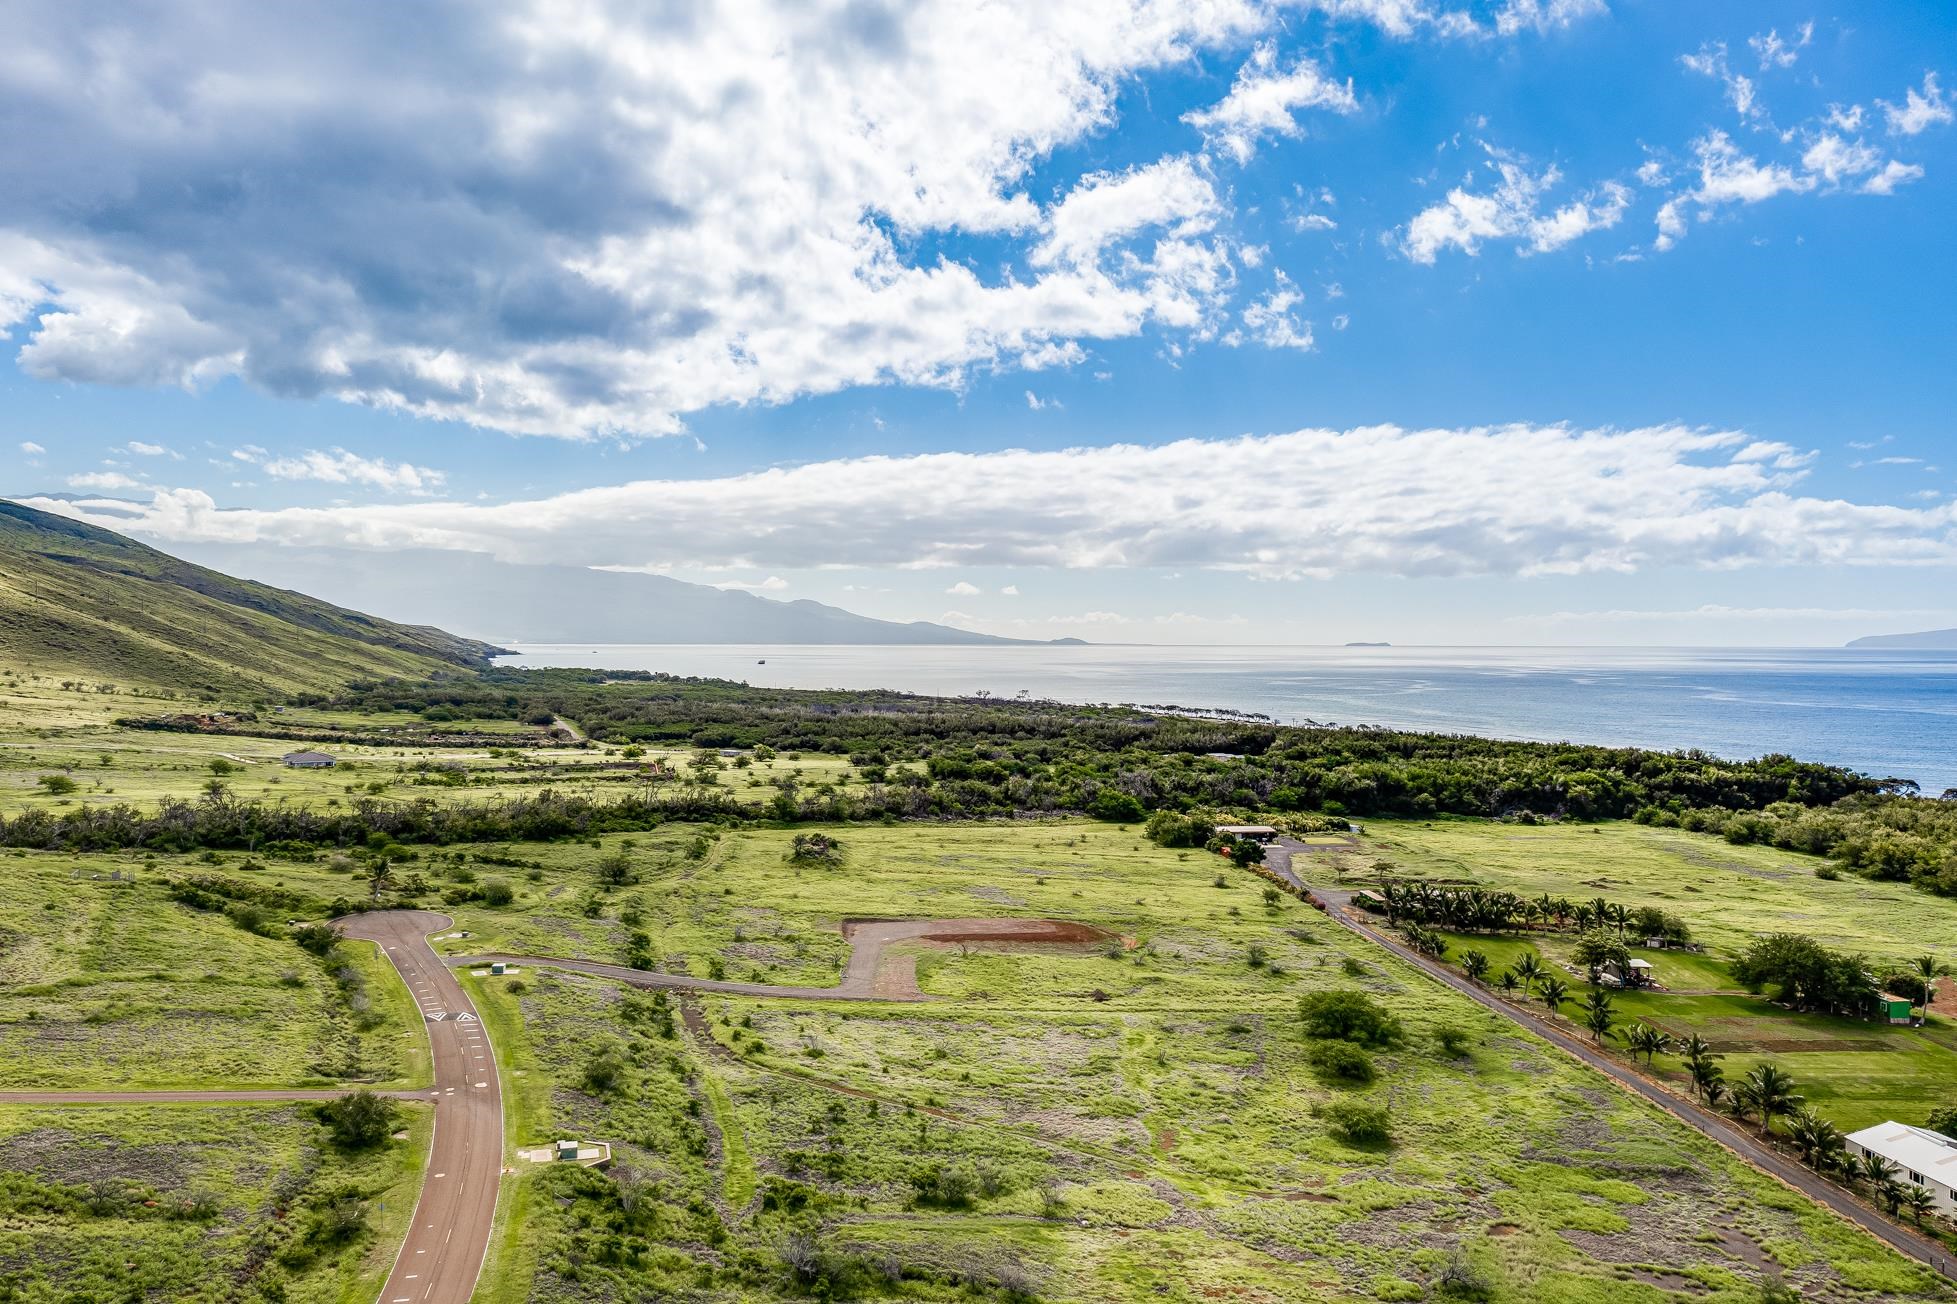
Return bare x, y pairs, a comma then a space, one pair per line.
1922, 1158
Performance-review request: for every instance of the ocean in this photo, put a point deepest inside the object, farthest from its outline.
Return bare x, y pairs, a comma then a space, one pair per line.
1884, 713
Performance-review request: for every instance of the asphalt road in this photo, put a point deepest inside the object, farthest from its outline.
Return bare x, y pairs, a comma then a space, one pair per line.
1921, 1248
443, 1253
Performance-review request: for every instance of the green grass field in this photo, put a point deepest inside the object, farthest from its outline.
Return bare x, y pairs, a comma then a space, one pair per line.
1163, 1143
195, 1203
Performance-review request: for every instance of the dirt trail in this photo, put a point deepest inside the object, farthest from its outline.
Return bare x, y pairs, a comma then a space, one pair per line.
870, 975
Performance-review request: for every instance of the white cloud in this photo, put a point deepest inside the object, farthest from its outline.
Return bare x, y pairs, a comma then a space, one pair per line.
1313, 222
1711, 61
1380, 500
1270, 322
31, 448
142, 449
1919, 111
1726, 176
341, 467
1775, 51
773, 584
1106, 207
1544, 15
964, 589
1034, 401
1511, 212
105, 480
1835, 158
1010, 591
1722, 612
1893, 174
1264, 101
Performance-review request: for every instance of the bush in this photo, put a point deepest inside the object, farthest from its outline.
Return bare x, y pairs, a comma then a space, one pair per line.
1347, 1015
943, 1186
1460, 1279
1341, 1061
358, 1121
58, 785
1358, 1124
317, 939
497, 892
1165, 828
1115, 806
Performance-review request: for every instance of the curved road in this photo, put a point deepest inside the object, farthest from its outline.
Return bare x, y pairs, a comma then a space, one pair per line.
443, 1253
1338, 906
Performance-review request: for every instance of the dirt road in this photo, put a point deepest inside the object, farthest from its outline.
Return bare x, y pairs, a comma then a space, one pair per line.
869, 975
1921, 1248
443, 1253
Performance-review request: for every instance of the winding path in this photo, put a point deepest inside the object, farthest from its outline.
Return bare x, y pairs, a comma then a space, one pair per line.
1338, 904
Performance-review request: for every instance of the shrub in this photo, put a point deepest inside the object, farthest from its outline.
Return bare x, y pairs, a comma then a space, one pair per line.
497, 892
1452, 1041
1460, 1279
1115, 806
942, 1185
1346, 1015
1358, 1124
358, 1121
58, 785
317, 939
604, 1070
1341, 1061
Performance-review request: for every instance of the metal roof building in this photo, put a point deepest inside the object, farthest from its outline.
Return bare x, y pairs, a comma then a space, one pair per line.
1922, 1158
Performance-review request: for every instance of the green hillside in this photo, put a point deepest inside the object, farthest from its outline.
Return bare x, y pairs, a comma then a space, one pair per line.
77, 599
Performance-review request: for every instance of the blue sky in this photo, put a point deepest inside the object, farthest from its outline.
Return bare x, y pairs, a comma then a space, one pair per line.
1550, 321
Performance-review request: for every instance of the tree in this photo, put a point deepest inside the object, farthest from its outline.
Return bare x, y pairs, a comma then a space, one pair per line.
1920, 1202
616, 870
1597, 950
57, 785
1346, 1015
1358, 1124
1244, 853
1875, 1170
1943, 1119
1508, 982
1645, 1040
1928, 970
1598, 1014
1474, 964
1552, 992
357, 1121
1768, 1091
1530, 970
380, 878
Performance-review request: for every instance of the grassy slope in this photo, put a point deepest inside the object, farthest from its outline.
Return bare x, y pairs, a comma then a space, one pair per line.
75, 599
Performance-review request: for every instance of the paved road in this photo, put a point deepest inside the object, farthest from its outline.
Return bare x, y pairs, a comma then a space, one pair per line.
443, 1253
1339, 906
867, 977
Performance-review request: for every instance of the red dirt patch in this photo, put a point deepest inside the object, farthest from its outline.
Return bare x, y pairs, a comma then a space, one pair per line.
1503, 1229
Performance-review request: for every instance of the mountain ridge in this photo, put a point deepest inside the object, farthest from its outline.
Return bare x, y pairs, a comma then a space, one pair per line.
1928, 640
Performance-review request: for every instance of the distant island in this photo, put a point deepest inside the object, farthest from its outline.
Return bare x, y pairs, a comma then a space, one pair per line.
1929, 640
1369, 645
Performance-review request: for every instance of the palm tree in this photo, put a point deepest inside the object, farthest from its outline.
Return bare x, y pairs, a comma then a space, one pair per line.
1708, 1079
1475, 964
1645, 1040
1508, 982
1769, 1091
1875, 1170
1551, 993
383, 875
1920, 1202
1809, 1133
1598, 1014
1929, 971
1529, 969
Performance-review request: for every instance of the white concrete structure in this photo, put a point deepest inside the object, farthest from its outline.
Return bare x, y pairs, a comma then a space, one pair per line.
1922, 1158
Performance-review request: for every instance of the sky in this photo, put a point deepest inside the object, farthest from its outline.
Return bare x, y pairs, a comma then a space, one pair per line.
1219, 321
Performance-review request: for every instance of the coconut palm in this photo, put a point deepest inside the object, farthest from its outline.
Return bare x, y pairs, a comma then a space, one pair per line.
1552, 992
1474, 964
1530, 970
1598, 1014
1927, 968
1875, 1170
1645, 1040
1920, 1202
1508, 982
1815, 1137
1769, 1092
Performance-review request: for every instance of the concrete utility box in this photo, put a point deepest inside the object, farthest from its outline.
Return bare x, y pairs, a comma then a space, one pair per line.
567, 1152
496, 966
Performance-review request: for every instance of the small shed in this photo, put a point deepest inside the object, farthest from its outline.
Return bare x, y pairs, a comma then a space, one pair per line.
1895, 1008
308, 761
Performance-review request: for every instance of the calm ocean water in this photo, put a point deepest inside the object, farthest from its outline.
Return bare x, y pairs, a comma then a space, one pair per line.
1884, 713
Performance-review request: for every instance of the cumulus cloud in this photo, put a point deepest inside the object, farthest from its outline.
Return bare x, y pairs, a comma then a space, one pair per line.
1919, 111
964, 589
341, 467
1512, 210
1378, 500
1265, 101
581, 218
1893, 174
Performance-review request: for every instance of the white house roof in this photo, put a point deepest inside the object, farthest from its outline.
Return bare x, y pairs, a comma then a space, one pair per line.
1640, 964
1916, 1148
